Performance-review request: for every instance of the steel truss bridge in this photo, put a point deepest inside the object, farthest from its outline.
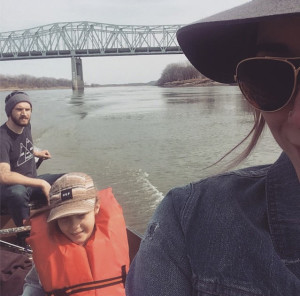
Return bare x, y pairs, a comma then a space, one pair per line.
85, 39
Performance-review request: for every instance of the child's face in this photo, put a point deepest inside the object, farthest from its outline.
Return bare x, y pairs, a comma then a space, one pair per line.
78, 228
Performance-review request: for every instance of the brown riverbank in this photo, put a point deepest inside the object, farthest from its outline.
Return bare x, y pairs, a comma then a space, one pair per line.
10, 89
191, 82
27, 82
182, 83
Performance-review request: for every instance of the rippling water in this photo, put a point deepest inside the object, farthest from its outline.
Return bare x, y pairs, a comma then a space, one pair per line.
142, 141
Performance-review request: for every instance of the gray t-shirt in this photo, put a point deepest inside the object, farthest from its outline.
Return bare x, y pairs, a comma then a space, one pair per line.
17, 150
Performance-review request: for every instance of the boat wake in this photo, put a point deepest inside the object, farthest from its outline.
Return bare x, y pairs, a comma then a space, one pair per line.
148, 187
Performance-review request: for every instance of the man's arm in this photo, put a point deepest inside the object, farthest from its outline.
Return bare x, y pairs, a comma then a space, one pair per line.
8, 177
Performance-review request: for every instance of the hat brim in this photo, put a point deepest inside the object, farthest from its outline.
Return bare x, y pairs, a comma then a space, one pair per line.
216, 44
69, 209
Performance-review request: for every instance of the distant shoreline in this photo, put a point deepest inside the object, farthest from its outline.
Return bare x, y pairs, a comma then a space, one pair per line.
29, 88
181, 83
67, 87
192, 82
23, 87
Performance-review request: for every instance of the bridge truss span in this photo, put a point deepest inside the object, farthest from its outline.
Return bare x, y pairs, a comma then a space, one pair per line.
82, 39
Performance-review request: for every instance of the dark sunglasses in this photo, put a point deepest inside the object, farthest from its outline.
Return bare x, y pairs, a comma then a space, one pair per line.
268, 83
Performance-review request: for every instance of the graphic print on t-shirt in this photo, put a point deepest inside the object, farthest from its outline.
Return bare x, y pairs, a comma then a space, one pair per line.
26, 152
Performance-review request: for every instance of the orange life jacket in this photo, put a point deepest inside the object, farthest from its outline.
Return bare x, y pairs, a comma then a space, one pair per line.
95, 269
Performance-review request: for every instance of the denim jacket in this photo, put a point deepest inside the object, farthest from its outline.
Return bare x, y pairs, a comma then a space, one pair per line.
235, 234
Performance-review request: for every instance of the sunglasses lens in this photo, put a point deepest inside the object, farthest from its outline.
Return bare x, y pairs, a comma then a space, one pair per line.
267, 84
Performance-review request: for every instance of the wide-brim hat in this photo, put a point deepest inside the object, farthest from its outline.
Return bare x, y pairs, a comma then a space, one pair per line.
216, 44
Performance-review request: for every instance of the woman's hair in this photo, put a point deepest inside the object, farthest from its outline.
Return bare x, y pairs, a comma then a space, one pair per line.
254, 135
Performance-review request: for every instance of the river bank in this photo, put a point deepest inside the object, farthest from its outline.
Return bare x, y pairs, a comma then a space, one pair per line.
13, 88
179, 83
192, 82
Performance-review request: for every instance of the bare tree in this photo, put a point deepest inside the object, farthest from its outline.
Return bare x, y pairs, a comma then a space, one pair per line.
178, 72
26, 81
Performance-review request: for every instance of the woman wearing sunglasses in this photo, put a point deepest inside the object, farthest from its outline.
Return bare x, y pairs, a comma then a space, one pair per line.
236, 233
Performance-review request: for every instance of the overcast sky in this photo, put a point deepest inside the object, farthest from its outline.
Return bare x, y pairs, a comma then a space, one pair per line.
25, 14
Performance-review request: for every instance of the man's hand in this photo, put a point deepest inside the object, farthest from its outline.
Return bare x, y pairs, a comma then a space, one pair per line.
44, 154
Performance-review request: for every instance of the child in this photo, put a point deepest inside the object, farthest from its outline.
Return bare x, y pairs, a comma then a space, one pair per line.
80, 246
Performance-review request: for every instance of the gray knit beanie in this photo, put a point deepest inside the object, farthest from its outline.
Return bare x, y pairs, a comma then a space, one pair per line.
16, 98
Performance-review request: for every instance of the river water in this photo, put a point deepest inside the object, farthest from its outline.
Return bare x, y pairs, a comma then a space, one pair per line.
142, 140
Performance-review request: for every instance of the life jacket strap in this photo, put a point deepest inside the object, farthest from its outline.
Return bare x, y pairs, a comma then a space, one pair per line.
90, 285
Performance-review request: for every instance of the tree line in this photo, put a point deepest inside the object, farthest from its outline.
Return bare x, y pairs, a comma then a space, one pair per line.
172, 72
26, 81
179, 72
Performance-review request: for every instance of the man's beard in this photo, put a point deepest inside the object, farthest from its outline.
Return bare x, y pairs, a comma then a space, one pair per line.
17, 121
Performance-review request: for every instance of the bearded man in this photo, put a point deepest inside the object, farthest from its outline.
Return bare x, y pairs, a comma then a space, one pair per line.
18, 176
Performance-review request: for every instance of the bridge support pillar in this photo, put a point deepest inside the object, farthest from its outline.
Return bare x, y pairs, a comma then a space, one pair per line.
77, 74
